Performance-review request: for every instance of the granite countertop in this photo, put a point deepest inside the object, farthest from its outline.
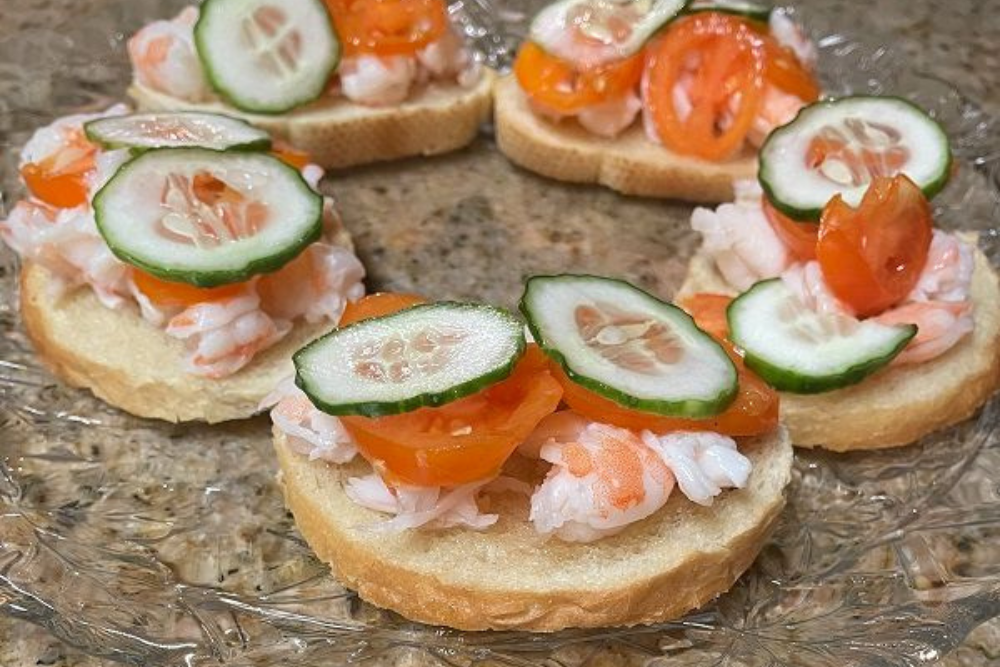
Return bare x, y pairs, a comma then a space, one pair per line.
443, 242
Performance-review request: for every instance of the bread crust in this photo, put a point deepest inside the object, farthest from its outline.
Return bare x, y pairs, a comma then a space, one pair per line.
629, 163
337, 133
510, 578
900, 404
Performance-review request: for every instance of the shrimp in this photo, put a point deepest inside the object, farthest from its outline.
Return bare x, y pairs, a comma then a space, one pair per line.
375, 81
416, 507
776, 109
740, 240
164, 58
947, 275
611, 117
790, 34
310, 431
602, 479
703, 463
316, 285
223, 336
447, 58
806, 281
940, 326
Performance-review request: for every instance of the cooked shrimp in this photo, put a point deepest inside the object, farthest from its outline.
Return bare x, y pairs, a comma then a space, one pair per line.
740, 240
940, 325
703, 463
415, 507
947, 276
806, 281
377, 81
164, 58
316, 285
310, 431
447, 58
601, 480
223, 336
777, 109
611, 117
791, 35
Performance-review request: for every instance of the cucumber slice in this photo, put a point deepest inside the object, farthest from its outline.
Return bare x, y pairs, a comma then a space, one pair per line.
590, 33
798, 350
426, 355
751, 10
267, 56
206, 217
903, 137
142, 131
628, 346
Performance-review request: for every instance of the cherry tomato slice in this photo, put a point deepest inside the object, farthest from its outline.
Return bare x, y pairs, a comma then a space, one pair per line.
558, 86
709, 312
799, 237
376, 305
784, 71
166, 293
60, 179
463, 441
732, 60
290, 155
387, 27
872, 256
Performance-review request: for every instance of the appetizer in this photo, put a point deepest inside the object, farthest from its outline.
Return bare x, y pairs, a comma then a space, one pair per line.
349, 81
624, 469
877, 327
651, 97
170, 263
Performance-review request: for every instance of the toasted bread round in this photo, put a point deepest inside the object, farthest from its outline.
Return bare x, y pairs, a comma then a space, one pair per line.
510, 577
338, 133
629, 163
900, 404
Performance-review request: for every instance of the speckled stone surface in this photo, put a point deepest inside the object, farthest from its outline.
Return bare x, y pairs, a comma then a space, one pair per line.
453, 235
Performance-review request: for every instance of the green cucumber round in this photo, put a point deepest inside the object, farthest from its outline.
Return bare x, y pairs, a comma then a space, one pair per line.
798, 350
175, 129
267, 56
551, 27
153, 216
424, 356
754, 11
626, 345
884, 126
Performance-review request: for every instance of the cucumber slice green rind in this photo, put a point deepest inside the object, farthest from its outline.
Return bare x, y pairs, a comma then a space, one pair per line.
374, 408
96, 132
688, 408
783, 378
104, 207
213, 12
751, 10
783, 197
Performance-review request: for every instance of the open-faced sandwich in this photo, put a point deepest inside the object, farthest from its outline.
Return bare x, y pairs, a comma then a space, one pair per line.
383, 79
625, 469
171, 263
877, 327
651, 97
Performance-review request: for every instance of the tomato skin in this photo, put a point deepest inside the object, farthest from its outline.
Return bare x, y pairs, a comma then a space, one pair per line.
799, 237
871, 257
166, 293
709, 312
387, 27
784, 71
463, 441
560, 87
376, 305
290, 155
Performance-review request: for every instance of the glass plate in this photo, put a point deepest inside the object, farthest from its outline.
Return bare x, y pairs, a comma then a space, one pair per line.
156, 544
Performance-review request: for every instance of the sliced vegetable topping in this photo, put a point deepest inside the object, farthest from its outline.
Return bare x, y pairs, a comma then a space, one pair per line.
840, 146
627, 346
267, 56
751, 10
167, 293
731, 59
560, 86
426, 355
872, 256
466, 440
799, 350
799, 237
60, 179
378, 304
174, 129
207, 218
593, 33
388, 27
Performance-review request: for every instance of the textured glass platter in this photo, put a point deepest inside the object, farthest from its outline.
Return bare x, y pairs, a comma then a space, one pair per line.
165, 545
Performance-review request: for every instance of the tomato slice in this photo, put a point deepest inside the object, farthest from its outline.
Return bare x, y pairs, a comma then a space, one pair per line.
709, 312
60, 179
731, 60
799, 237
560, 87
387, 27
466, 440
166, 293
784, 71
872, 256
290, 155
376, 305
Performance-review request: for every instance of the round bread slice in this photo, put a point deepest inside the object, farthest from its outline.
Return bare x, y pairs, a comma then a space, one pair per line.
338, 133
629, 163
135, 366
899, 404
508, 577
